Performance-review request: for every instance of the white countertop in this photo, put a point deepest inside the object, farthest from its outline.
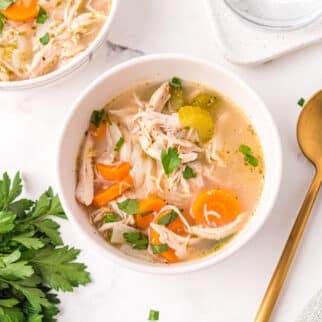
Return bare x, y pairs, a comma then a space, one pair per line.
230, 291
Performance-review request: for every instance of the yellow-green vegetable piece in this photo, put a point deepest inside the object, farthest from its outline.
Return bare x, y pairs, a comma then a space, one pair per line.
177, 98
197, 118
204, 100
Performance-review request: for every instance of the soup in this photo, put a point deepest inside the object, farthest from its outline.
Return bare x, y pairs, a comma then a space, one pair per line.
39, 36
169, 172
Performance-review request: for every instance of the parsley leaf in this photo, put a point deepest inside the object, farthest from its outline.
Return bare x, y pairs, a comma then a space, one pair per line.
2, 22
153, 315
168, 218
44, 39
188, 173
111, 217
4, 4
97, 117
248, 155
129, 206
301, 101
42, 16
170, 160
176, 82
119, 144
158, 249
137, 239
31, 264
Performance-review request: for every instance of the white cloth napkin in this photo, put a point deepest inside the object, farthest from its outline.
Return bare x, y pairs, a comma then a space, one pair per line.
313, 310
244, 43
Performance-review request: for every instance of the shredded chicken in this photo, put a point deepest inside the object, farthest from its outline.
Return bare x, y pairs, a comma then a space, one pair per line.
71, 26
85, 186
160, 97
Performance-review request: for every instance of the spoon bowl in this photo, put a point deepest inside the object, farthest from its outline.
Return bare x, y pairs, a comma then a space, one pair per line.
309, 129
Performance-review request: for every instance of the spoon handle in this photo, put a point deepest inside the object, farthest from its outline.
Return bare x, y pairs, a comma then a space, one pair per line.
278, 278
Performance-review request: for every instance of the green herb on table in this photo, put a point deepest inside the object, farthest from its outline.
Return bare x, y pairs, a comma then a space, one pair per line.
129, 206
119, 144
248, 155
170, 160
168, 218
33, 259
111, 217
158, 249
137, 239
188, 173
153, 315
42, 16
301, 101
4, 4
44, 39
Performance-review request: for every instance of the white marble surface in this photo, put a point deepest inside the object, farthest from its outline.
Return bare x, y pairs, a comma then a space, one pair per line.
230, 291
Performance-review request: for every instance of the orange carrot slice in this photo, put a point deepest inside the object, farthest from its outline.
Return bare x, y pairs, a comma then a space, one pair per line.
100, 131
22, 10
103, 197
223, 203
153, 204
114, 172
177, 227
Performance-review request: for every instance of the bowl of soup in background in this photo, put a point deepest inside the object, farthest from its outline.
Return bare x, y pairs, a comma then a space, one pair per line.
71, 65
154, 69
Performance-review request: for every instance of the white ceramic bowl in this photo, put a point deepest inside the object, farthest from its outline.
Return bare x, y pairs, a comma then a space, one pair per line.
160, 68
72, 65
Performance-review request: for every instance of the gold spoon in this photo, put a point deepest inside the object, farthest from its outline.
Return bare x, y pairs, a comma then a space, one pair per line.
309, 137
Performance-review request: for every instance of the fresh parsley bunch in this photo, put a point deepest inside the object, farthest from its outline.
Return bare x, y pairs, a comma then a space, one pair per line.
33, 259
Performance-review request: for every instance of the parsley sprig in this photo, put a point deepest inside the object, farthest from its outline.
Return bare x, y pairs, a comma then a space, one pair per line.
33, 259
170, 160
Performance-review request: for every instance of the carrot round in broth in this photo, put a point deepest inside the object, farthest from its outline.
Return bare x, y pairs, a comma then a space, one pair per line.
22, 10
114, 172
222, 207
150, 204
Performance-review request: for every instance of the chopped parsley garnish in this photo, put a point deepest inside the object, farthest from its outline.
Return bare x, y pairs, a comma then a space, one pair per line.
2, 22
153, 315
137, 239
42, 16
146, 213
158, 249
4, 4
301, 101
44, 39
129, 206
111, 217
168, 218
170, 160
248, 155
176, 82
119, 144
188, 173
97, 117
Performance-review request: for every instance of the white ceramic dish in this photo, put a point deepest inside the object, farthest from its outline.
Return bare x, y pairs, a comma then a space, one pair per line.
160, 68
72, 65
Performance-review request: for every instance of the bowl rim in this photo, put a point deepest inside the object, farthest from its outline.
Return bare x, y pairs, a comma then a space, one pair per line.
75, 63
189, 266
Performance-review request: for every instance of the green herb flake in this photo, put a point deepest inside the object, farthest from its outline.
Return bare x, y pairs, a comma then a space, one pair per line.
2, 22
96, 117
158, 249
42, 16
146, 213
129, 206
153, 315
188, 173
168, 218
176, 82
4, 4
248, 155
111, 217
170, 160
119, 144
301, 101
138, 240
44, 39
